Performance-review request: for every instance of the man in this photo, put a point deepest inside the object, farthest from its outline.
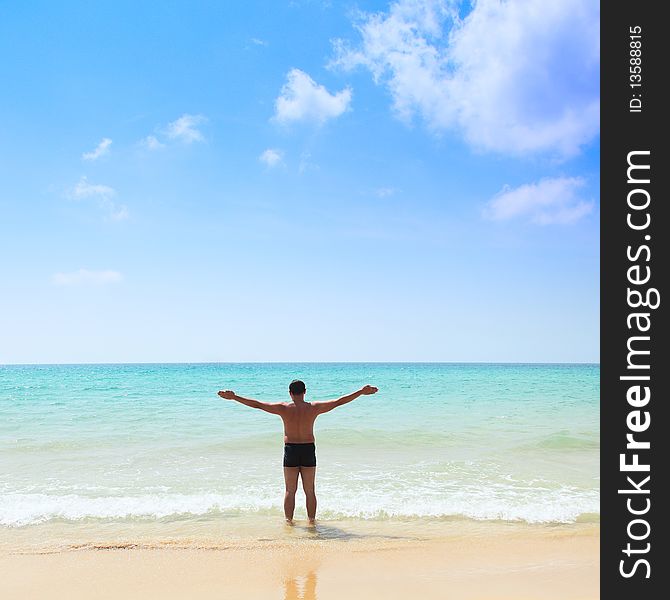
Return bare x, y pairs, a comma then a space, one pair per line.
299, 449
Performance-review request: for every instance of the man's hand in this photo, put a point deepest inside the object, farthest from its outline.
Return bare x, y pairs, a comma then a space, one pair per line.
368, 389
227, 394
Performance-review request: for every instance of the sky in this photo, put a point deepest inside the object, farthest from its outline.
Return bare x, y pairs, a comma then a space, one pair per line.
299, 181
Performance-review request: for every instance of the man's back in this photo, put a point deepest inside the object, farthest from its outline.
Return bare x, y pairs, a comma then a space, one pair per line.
298, 422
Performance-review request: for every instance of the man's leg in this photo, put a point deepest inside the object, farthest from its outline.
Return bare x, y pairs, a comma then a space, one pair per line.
291, 480
308, 475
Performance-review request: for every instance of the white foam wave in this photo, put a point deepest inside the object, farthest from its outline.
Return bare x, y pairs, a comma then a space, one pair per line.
563, 505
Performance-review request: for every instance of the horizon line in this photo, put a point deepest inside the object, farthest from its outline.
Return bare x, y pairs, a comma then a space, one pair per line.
315, 362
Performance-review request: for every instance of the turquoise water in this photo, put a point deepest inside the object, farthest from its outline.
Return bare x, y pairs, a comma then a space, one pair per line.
153, 442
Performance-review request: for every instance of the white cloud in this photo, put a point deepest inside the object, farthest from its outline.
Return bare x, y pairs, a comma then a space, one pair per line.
258, 42
104, 195
302, 99
185, 129
101, 149
514, 77
271, 157
549, 201
151, 143
84, 276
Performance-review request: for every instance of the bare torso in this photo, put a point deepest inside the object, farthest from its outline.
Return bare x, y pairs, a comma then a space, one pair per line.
298, 421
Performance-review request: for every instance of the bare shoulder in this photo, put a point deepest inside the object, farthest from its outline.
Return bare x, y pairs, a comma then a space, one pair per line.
308, 406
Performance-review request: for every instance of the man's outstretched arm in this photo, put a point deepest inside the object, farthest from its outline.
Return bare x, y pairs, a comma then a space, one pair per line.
328, 405
274, 408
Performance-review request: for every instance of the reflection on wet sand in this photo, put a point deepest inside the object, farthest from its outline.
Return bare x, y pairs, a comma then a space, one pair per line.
300, 587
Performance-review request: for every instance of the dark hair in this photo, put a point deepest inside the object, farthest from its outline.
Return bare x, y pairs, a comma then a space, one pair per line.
297, 387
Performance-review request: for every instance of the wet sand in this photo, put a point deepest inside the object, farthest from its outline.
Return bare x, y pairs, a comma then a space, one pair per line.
510, 563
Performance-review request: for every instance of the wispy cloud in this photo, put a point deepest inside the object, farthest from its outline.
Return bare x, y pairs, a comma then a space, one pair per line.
185, 129
118, 212
258, 42
302, 99
271, 157
151, 142
385, 192
306, 163
549, 201
84, 276
103, 194
84, 189
100, 150
513, 77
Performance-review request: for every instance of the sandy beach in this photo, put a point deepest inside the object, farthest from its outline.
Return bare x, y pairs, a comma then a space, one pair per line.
510, 563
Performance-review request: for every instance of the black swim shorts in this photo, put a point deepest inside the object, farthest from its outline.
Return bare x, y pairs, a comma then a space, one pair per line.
300, 455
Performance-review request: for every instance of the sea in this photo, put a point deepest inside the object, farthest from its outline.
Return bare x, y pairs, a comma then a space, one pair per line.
94, 449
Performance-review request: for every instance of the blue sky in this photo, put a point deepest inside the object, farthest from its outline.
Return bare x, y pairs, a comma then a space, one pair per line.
299, 181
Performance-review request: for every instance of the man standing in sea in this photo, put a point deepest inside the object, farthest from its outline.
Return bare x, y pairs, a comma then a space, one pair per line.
299, 447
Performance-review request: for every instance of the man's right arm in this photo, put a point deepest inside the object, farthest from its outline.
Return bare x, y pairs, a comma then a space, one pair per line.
274, 408
328, 405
